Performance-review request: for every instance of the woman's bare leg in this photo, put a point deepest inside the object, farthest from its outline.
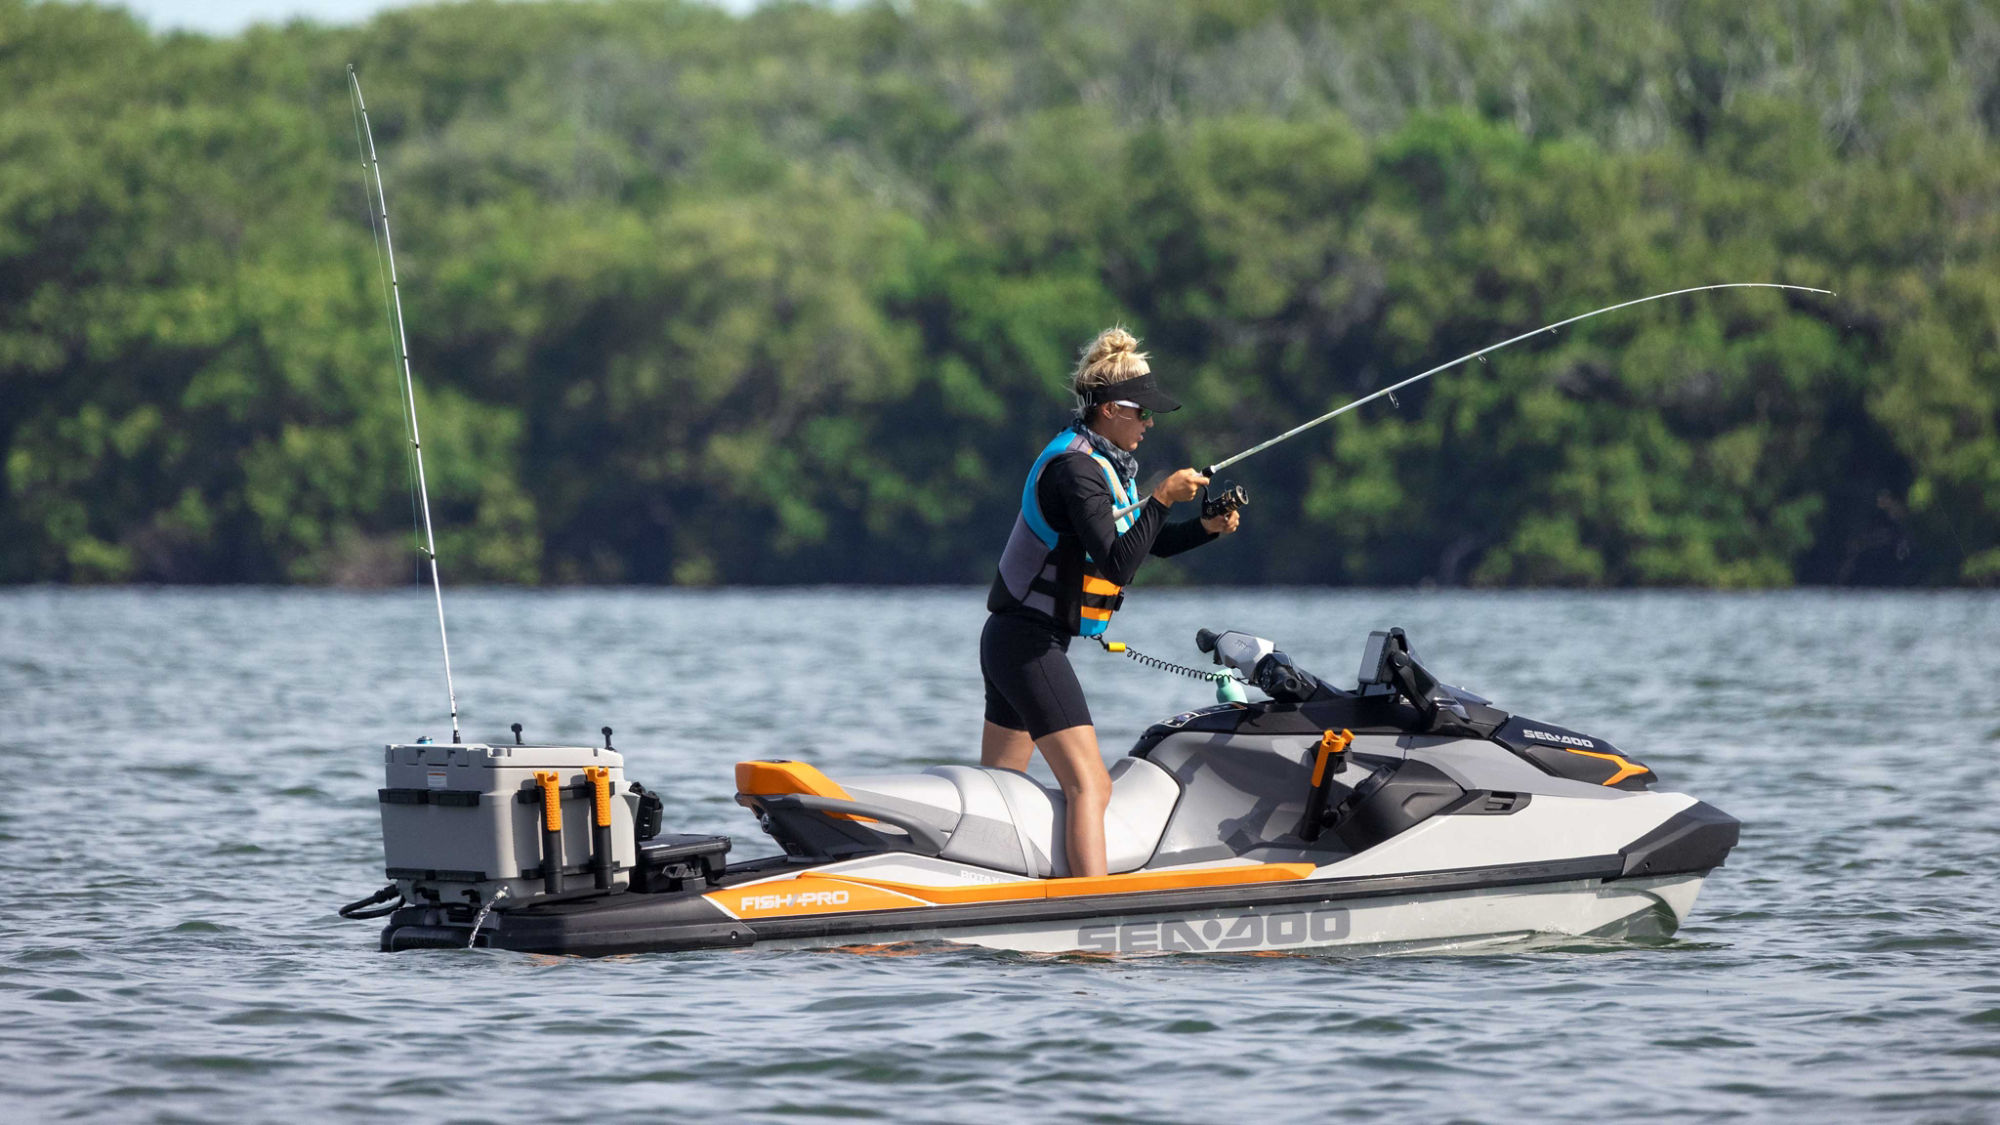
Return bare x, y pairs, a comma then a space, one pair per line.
1079, 768
1005, 749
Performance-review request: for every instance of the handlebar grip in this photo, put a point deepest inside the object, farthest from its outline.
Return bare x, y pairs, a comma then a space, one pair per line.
1204, 640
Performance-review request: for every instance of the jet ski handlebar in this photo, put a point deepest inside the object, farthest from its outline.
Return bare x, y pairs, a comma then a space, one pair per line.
1387, 665
1260, 662
1232, 649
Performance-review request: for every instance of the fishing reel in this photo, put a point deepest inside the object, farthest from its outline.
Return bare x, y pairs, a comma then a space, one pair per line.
1223, 499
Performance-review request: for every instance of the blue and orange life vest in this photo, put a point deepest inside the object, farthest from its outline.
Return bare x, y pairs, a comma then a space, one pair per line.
1028, 567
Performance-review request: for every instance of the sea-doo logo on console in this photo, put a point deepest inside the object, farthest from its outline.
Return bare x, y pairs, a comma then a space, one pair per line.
1247, 931
1558, 739
800, 899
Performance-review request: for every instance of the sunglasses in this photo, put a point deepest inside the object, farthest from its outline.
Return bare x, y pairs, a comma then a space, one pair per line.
1144, 414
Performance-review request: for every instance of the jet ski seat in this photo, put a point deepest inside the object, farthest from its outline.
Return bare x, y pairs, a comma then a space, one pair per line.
994, 818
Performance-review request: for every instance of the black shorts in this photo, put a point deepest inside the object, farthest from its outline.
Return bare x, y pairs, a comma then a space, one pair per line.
1029, 683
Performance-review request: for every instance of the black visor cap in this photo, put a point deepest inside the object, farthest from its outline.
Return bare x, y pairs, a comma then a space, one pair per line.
1143, 390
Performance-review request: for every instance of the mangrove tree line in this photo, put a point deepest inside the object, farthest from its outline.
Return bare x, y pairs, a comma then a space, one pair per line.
790, 297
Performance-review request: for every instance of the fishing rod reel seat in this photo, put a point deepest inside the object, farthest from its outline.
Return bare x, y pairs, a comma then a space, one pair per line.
1222, 499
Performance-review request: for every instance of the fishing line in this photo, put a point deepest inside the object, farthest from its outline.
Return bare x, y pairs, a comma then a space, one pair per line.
1391, 390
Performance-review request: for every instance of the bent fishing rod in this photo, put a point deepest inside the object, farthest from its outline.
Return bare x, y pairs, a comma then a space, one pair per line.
1468, 357
378, 208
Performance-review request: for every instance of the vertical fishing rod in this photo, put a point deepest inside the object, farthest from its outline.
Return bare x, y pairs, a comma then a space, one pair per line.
379, 207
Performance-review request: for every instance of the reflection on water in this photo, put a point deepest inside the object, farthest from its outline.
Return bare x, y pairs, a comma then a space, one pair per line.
193, 792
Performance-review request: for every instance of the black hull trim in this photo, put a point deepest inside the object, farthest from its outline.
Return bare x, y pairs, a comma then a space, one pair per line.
1694, 841
1697, 838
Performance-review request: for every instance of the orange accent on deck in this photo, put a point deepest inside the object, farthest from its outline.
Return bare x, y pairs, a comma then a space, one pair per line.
1177, 880
771, 779
807, 895
1029, 890
779, 778
1014, 890
1625, 768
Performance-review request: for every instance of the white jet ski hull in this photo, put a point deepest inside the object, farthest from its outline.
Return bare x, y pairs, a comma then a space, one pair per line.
1389, 924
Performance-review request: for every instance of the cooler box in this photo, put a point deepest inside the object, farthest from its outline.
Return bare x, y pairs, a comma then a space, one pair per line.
459, 823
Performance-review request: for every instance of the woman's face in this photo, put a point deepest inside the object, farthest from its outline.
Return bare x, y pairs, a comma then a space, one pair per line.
1122, 425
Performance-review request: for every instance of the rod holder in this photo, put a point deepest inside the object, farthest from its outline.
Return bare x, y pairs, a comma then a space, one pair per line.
551, 786
598, 779
1327, 761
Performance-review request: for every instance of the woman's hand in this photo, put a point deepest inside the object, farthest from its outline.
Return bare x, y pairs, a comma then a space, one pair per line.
1222, 524
1181, 486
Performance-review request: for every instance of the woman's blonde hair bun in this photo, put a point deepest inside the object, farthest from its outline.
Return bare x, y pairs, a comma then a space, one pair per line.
1110, 342
1111, 358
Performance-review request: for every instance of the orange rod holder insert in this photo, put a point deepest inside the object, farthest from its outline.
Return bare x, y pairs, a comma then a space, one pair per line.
551, 786
1332, 745
598, 779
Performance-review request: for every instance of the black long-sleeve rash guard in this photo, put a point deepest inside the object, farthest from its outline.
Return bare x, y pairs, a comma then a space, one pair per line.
1077, 501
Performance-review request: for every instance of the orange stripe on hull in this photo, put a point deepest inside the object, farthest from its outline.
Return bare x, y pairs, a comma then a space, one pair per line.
1178, 880
1021, 890
807, 895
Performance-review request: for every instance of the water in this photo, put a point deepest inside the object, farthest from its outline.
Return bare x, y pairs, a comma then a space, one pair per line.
191, 791
479, 920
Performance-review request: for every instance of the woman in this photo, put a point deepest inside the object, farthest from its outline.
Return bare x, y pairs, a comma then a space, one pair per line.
1066, 562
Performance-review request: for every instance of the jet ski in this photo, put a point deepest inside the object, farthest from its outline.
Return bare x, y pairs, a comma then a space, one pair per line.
1400, 814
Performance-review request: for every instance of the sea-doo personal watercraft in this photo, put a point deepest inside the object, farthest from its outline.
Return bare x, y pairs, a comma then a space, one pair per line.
1402, 814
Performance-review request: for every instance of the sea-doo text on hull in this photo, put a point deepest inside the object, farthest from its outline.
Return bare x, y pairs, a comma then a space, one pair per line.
1404, 813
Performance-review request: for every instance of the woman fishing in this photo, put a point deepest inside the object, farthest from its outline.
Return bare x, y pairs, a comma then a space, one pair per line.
1063, 573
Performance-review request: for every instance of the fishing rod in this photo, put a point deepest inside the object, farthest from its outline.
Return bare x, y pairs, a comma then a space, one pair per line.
386, 247
1391, 390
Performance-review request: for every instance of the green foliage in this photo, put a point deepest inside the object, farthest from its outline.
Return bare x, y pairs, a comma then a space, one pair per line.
791, 296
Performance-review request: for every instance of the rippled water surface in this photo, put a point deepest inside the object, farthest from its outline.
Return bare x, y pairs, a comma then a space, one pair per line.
191, 791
